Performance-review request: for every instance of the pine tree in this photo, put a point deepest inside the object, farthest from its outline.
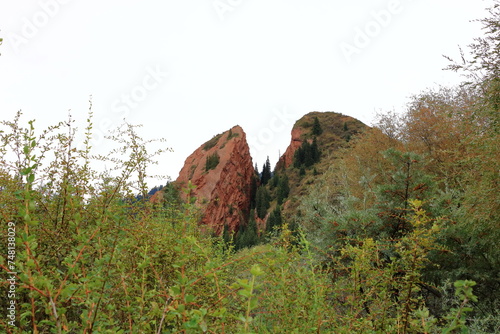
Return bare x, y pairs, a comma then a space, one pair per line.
298, 157
274, 220
262, 202
247, 235
408, 182
316, 129
274, 181
308, 154
266, 172
212, 161
283, 189
252, 233
227, 235
253, 191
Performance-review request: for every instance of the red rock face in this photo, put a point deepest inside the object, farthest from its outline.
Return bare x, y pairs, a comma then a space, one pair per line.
157, 198
222, 192
286, 159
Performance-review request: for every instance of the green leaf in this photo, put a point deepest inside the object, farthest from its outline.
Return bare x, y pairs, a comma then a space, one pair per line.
175, 291
245, 319
30, 263
253, 303
219, 312
244, 283
256, 270
245, 293
191, 324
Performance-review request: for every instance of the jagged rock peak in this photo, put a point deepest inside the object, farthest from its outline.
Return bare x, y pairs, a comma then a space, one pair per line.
336, 129
222, 171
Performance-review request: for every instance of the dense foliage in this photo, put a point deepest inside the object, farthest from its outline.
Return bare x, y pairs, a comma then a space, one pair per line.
443, 152
307, 154
399, 235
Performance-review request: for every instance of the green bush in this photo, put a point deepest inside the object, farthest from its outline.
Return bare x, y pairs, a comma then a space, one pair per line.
212, 142
212, 161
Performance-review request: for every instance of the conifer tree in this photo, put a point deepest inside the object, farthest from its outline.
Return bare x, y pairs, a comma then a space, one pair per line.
316, 129
212, 161
226, 234
283, 189
266, 172
274, 220
308, 154
247, 235
262, 202
253, 191
274, 180
408, 182
298, 157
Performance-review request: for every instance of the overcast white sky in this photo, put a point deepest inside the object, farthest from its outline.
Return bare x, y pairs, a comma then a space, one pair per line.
190, 69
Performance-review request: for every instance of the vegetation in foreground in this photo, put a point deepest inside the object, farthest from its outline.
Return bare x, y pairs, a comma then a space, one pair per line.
399, 236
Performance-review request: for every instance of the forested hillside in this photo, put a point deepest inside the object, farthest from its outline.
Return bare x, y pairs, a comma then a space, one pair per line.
392, 228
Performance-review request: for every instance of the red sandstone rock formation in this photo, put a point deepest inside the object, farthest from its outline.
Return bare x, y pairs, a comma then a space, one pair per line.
223, 191
337, 130
157, 198
286, 159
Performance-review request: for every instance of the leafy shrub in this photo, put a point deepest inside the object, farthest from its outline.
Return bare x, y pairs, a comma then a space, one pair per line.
212, 142
212, 161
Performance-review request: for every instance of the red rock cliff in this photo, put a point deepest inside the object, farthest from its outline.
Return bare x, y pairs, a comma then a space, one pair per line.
222, 172
286, 159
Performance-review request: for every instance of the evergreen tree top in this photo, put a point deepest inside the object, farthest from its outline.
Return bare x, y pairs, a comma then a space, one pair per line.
316, 129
